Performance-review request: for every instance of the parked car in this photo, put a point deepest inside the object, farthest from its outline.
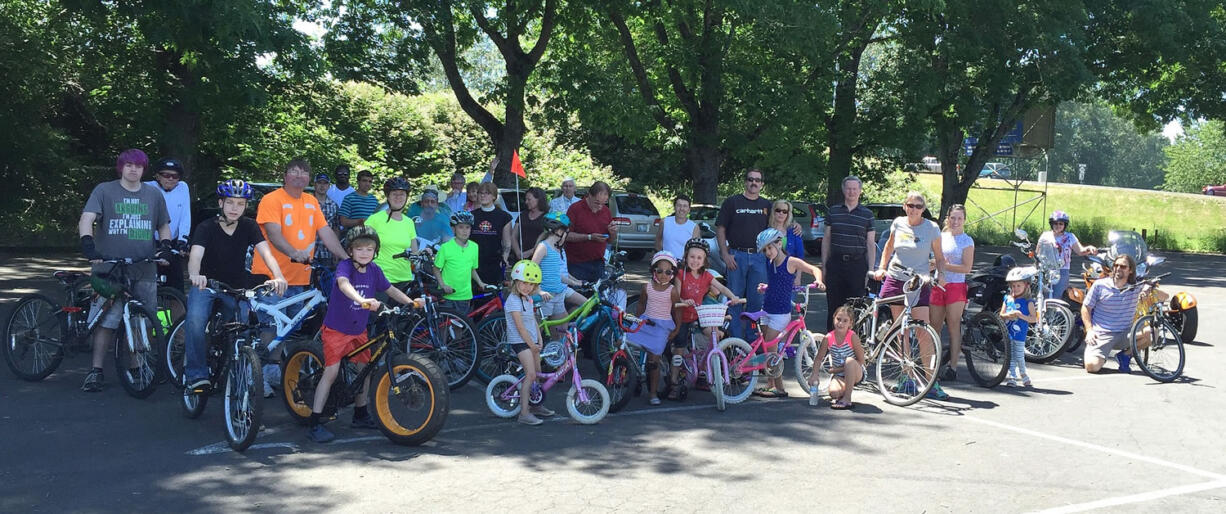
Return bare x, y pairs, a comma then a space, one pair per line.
1215, 190
995, 170
883, 219
705, 215
812, 219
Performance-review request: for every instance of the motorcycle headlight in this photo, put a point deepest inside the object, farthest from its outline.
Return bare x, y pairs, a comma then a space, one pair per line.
1053, 276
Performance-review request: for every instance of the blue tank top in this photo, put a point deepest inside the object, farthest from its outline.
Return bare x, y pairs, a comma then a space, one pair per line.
1017, 327
552, 266
778, 298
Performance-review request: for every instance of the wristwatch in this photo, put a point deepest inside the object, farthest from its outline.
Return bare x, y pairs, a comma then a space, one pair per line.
589, 237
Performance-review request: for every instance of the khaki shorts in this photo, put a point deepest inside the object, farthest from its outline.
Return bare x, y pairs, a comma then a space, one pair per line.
1100, 344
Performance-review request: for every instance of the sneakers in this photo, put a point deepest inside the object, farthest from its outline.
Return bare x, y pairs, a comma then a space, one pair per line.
529, 419
655, 400
950, 375
1011, 382
367, 422
272, 377
320, 434
1026, 381
906, 386
199, 385
541, 411
937, 392
93, 381
813, 396
1124, 359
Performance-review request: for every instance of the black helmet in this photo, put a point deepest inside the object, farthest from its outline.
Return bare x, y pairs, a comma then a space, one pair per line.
696, 242
462, 218
361, 232
169, 164
395, 184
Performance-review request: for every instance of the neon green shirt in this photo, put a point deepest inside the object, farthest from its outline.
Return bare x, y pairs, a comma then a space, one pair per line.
394, 238
456, 265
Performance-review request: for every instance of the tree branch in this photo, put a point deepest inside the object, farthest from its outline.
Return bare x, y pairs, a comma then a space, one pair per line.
444, 44
502, 43
548, 22
640, 74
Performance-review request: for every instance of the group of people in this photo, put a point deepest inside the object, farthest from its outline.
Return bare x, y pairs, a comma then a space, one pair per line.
558, 246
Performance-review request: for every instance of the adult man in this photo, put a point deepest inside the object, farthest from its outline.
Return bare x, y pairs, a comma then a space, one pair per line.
848, 248
291, 222
341, 189
127, 212
568, 198
432, 220
415, 208
456, 198
331, 211
1107, 314
359, 205
591, 226
168, 174
741, 218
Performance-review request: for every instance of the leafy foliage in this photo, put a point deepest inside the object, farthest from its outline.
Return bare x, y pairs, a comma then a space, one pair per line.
1197, 159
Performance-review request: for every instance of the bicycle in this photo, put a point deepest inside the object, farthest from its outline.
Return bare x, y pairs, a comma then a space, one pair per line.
1162, 356
444, 335
40, 332
1046, 339
714, 368
626, 375
231, 357
744, 361
904, 362
408, 396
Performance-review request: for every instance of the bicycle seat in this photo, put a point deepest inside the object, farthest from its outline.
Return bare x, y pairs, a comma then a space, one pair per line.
69, 277
753, 316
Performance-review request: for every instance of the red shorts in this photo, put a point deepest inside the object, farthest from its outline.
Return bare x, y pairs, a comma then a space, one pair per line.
338, 344
954, 292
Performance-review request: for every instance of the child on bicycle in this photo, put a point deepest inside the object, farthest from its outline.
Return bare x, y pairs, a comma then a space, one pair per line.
455, 265
696, 286
846, 361
358, 278
1018, 312
782, 276
555, 280
524, 335
656, 305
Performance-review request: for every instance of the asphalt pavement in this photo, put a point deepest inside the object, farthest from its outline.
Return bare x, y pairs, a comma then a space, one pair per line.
1072, 443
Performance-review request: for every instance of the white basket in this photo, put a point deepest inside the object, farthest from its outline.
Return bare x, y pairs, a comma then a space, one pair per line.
711, 315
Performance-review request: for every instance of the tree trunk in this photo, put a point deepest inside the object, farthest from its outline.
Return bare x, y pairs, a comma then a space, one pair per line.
841, 134
949, 145
703, 161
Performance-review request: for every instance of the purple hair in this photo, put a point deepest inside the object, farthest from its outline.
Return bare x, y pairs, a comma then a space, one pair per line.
131, 156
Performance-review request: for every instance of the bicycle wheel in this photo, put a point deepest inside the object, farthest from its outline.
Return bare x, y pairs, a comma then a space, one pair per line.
244, 407
490, 333
300, 373
740, 384
803, 362
594, 409
136, 359
621, 380
502, 396
1045, 340
1163, 358
715, 376
449, 340
985, 341
411, 399
34, 338
172, 305
604, 344
907, 366
173, 354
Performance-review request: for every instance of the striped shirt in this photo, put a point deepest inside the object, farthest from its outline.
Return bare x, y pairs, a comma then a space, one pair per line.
358, 206
1111, 310
840, 351
849, 229
553, 266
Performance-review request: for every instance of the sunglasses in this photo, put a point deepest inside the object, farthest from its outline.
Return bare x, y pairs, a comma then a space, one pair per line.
165, 175
754, 179
915, 205
668, 272
1121, 266
782, 211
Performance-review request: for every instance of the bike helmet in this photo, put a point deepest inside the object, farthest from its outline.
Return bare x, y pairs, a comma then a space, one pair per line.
661, 256
234, 188
1022, 273
462, 218
1057, 216
697, 242
768, 236
395, 184
361, 232
556, 220
526, 271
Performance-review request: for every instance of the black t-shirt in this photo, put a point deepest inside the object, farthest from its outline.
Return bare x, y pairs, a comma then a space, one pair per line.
487, 233
743, 219
225, 255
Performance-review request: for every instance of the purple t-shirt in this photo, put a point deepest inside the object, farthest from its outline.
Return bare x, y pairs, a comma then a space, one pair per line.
347, 316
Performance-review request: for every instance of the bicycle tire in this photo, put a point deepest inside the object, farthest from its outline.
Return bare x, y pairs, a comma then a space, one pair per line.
300, 373
490, 333
740, 385
1045, 342
604, 344
418, 385
715, 377
503, 407
1163, 359
985, 342
35, 332
244, 406
174, 358
621, 378
903, 376
1186, 322
453, 347
597, 406
138, 366
193, 404
173, 302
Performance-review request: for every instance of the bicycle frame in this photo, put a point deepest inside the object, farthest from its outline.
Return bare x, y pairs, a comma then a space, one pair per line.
548, 380
753, 362
283, 323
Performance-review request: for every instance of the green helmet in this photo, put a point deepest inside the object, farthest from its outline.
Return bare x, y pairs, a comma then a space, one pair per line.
526, 271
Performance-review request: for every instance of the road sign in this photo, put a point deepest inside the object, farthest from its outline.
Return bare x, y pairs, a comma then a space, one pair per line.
1081, 173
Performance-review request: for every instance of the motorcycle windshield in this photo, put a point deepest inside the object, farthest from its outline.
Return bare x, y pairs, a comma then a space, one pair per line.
1127, 242
1047, 254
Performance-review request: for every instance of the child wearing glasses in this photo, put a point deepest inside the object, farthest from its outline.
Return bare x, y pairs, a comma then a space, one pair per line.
656, 304
782, 275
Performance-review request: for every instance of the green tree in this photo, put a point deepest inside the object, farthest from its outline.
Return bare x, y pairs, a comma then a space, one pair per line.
1198, 158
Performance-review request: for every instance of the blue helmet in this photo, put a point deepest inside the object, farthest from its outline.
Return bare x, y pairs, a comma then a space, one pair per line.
234, 188
556, 220
462, 218
768, 236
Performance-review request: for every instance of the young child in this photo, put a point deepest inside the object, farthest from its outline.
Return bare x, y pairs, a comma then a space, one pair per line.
656, 304
846, 361
358, 278
1018, 313
455, 265
555, 280
696, 286
524, 335
781, 273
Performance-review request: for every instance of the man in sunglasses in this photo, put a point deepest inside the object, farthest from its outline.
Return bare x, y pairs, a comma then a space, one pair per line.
168, 179
1107, 313
741, 218
591, 226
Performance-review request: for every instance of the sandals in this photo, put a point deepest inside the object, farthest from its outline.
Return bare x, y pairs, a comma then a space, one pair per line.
770, 392
841, 405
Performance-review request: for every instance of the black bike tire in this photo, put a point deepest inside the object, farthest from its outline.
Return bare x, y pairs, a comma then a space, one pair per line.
1142, 359
56, 357
254, 391
439, 395
1186, 322
603, 345
301, 369
455, 381
122, 355
173, 360
489, 337
621, 378
987, 355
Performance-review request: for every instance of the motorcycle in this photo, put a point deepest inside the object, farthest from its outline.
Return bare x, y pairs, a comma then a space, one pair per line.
1182, 311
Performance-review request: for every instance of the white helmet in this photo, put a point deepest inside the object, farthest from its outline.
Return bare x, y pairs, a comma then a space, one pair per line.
1020, 273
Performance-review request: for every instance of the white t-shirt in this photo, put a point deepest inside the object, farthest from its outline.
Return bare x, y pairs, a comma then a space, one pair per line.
338, 195
952, 247
675, 236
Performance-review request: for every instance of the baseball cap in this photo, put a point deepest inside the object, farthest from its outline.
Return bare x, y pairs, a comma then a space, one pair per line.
322, 177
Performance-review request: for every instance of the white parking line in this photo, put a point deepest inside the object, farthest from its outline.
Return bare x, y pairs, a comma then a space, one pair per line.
1136, 498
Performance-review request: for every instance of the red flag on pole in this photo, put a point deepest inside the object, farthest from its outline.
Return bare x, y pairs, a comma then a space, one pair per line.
516, 166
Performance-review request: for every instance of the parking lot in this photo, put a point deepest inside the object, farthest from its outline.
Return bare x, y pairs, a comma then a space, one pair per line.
1072, 443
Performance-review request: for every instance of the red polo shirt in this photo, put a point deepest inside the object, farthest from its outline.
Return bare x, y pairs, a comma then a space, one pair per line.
584, 221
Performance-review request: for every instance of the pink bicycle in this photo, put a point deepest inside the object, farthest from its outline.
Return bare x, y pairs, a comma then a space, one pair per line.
746, 361
587, 401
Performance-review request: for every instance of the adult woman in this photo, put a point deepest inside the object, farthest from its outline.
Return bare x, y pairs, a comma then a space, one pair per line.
396, 231
531, 223
912, 241
1066, 243
677, 229
781, 219
947, 304
492, 233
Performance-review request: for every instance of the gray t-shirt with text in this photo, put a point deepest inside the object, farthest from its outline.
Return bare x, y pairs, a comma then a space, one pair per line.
912, 246
127, 221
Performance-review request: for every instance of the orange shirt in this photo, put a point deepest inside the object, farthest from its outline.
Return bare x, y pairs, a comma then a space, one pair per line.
300, 219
